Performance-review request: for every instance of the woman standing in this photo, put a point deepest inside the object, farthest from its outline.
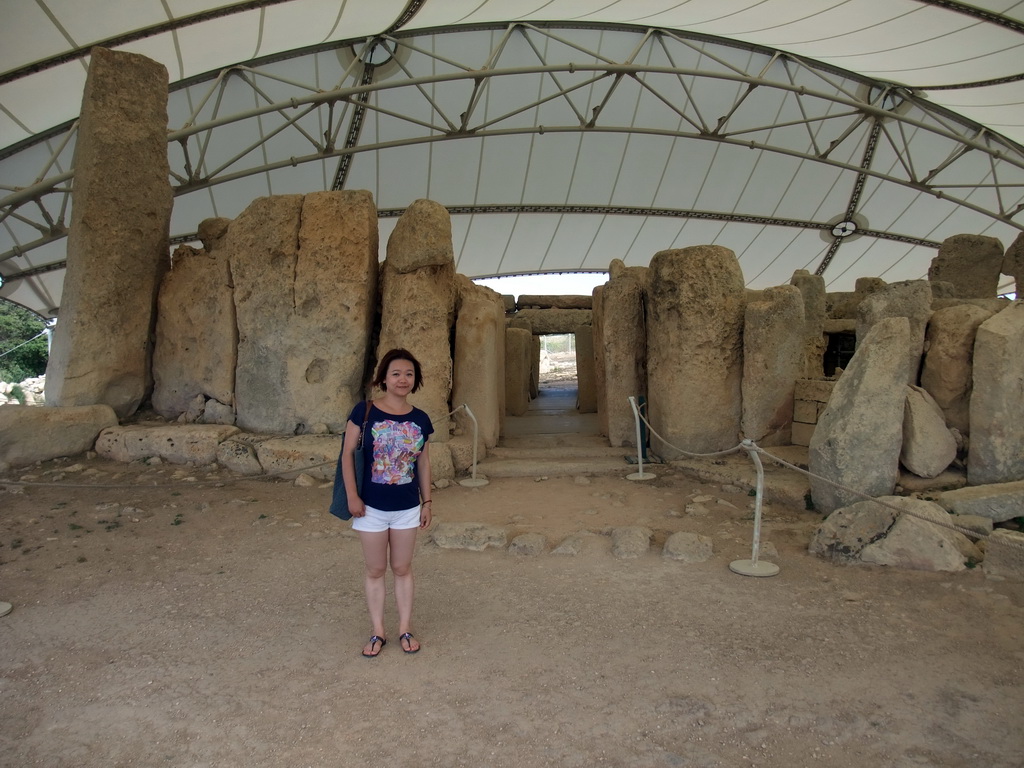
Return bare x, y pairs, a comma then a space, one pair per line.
396, 491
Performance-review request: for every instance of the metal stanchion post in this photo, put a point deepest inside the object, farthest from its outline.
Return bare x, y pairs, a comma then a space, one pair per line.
474, 481
640, 474
752, 567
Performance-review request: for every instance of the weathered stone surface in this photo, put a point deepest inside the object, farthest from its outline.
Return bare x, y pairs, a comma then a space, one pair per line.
286, 457
998, 502
461, 449
859, 435
949, 360
216, 412
1013, 262
624, 354
971, 263
586, 384
920, 541
631, 541
211, 232
812, 291
582, 541
527, 301
478, 367
1004, 556
29, 433
534, 367
544, 321
305, 276
117, 245
774, 357
928, 445
518, 353
600, 382
442, 467
473, 536
912, 300
194, 444
418, 303
528, 544
688, 547
873, 533
237, 453
695, 345
196, 336
997, 402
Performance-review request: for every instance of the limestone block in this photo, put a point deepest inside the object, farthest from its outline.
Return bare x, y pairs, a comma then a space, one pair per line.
518, 353
1013, 262
478, 365
528, 544
805, 411
305, 274
600, 381
928, 445
287, 457
920, 541
555, 302
624, 354
237, 453
211, 232
844, 534
774, 357
1004, 555
802, 433
858, 438
949, 360
534, 367
117, 245
818, 390
586, 386
418, 293
631, 541
688, 547
472, 536
912, 300
812, 291
997, 401
194, 444
442, 465
29, 433
196, 337
971, 263
461, 449
998, 502
695, 346
544, 321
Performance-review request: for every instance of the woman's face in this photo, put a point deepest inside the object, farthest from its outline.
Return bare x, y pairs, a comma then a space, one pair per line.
401, 377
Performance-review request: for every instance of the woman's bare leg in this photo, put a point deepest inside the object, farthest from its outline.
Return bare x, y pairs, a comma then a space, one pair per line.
403, 545
375, 557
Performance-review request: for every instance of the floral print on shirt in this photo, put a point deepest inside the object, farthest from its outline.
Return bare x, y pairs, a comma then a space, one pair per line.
396, 444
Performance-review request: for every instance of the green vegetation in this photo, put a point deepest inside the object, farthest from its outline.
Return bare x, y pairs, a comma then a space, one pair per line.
25, 360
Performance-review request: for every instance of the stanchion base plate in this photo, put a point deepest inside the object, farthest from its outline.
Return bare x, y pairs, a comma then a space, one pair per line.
640, 476
750, 568
474, 482
5, 608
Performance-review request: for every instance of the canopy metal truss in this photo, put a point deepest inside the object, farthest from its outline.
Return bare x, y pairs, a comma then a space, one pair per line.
846, 157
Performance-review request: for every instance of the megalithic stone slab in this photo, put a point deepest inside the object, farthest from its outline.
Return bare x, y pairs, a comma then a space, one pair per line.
118, 243
478, 378
624, 343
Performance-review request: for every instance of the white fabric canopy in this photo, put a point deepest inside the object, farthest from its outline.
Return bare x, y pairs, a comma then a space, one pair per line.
845, 137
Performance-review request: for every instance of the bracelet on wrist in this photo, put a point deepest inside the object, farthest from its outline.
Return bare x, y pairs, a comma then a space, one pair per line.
426, 501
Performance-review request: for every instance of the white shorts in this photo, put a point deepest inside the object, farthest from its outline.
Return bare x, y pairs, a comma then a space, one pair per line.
376, 520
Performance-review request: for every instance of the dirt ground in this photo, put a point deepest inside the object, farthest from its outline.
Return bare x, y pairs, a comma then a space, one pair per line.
187, 617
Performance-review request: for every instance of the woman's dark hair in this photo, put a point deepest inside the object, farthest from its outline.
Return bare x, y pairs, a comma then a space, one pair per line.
380, 380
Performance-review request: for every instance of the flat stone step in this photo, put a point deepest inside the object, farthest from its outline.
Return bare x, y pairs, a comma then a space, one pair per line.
554, 467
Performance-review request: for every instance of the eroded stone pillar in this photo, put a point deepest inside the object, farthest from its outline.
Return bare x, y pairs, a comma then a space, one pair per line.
518, 353
911, 299
118, 244
812, 290
624, 342
774, 356
478, 378
586, 386
418, 304
695, 347
971, 263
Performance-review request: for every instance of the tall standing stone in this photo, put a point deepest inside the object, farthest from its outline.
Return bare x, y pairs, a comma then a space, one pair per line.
118, 243
196, 337
478, 377
997, 403
586, 388
418, 303
305, 282
812, 290
774, 357
518, 351
695, 347
911, 299
948, 363
600, 385
971, 263
1013, 262
624, 341
859, 436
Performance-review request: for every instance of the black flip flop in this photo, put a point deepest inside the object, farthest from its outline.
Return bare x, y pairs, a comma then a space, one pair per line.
376, 639
407, 636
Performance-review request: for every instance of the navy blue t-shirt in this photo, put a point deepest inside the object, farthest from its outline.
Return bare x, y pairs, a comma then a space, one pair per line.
392, 445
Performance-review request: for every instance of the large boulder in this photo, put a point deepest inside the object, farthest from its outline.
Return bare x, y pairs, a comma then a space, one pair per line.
912, 300
29, 434
695, 347
859, 435
928, 445
774, 357
998, 502
949, 359
971, 263
997, 402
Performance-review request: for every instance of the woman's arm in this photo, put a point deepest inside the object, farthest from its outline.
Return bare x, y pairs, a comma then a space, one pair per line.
348, 470
423, 475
